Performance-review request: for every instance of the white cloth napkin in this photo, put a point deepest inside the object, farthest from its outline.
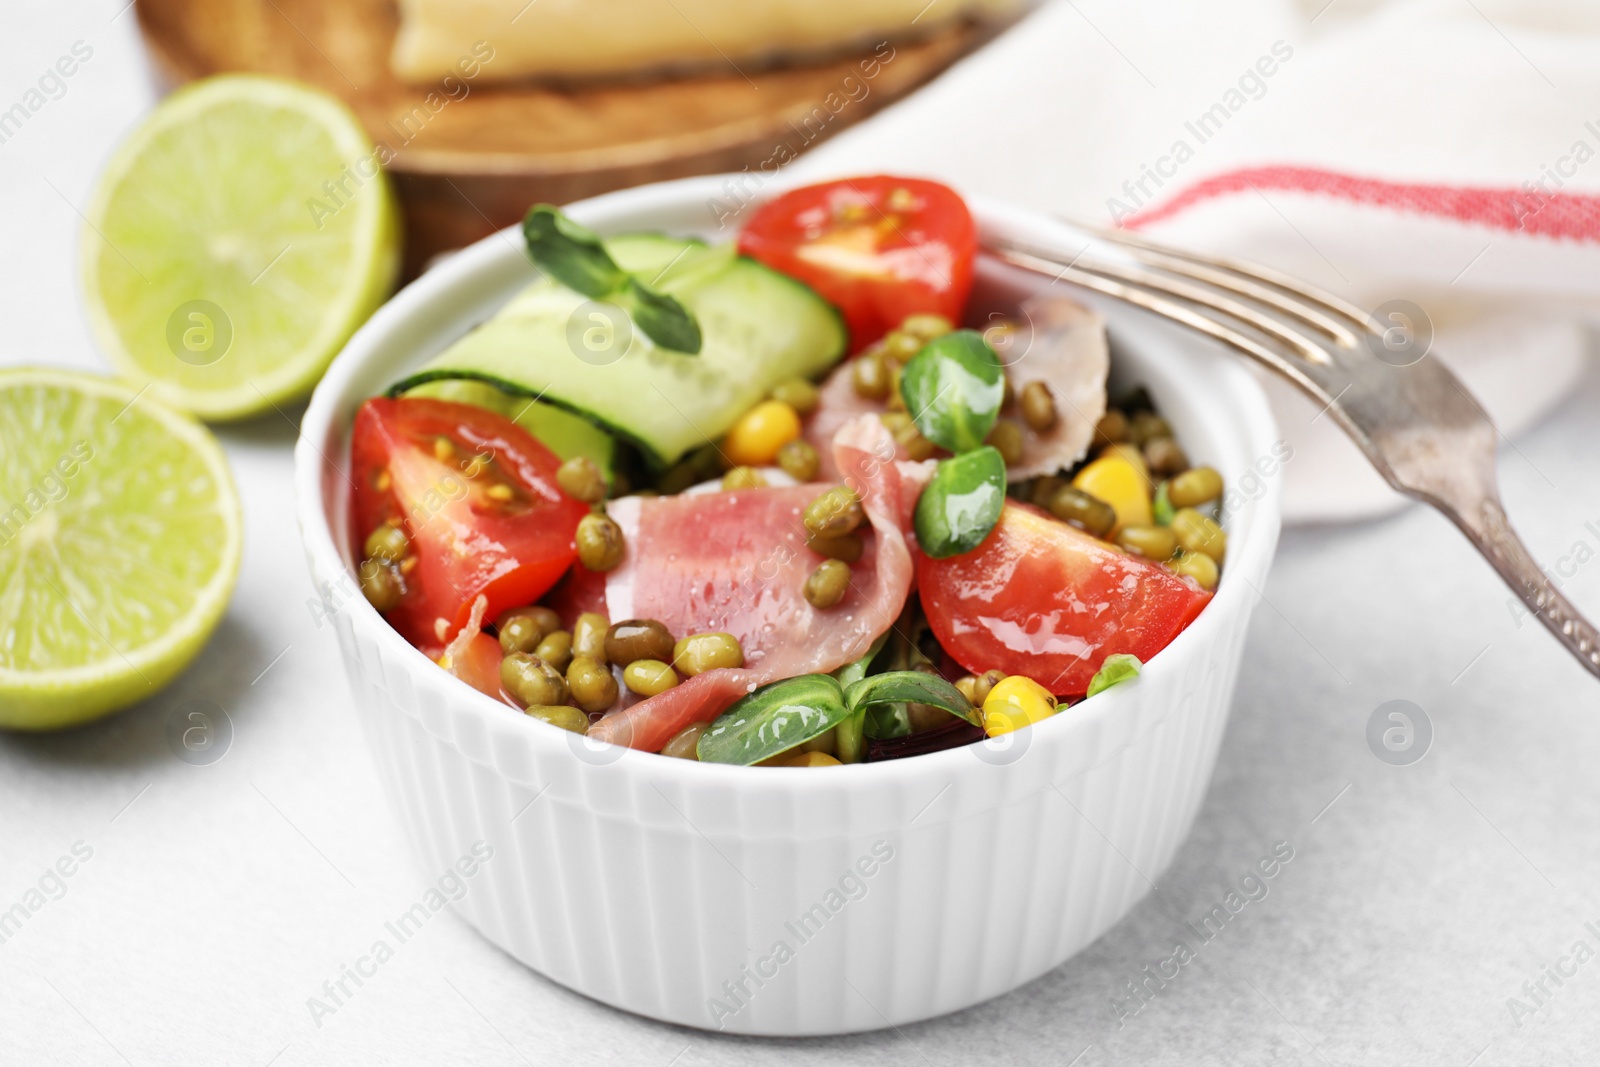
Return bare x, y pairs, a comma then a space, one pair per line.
1441, 152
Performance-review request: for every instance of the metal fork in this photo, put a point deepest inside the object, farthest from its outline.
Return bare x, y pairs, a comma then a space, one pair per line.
1415, 421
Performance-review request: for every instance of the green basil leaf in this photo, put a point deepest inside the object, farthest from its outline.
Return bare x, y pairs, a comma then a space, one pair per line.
953, 388
911, 687
570, 253
574, 255
850, 738
1162, 509
1118, 667
854, 672
660, 317
774, 719
886, 721
962, 503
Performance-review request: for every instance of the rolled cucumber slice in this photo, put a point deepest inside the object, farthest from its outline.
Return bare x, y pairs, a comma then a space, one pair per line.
759, 328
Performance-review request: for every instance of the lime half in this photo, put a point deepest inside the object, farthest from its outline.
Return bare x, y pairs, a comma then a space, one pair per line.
235, 242
119, 545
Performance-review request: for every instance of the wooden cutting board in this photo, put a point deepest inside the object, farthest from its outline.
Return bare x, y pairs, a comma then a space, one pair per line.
474, 157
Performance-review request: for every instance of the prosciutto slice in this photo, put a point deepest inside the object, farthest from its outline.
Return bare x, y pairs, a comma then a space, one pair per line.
1058, 341
737, 561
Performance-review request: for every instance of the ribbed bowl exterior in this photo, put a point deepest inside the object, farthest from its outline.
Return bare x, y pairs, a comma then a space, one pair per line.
791, 902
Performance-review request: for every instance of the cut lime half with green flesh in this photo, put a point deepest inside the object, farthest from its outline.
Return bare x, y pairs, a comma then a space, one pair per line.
235, 242
119, 545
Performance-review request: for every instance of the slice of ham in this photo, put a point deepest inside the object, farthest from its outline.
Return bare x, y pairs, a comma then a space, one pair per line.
474, 656
1063, 344
737, 561
1056, 341
838, 404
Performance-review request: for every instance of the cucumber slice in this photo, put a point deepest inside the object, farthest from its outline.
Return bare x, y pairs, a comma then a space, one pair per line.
560, 431
759, 328
642, 252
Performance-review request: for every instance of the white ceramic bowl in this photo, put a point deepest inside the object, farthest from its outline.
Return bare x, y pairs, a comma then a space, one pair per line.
790, 902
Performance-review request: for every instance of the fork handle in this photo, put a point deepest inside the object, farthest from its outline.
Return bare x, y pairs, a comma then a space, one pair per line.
1490, 532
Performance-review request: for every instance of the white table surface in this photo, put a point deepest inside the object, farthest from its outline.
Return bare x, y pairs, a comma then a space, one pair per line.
218, 898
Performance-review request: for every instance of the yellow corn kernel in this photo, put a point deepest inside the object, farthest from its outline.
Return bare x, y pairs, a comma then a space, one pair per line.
1133, 455
1118, 482
754, 440
809, 759
1014, 702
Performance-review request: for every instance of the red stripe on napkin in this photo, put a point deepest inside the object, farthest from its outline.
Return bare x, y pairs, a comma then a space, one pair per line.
1570, 216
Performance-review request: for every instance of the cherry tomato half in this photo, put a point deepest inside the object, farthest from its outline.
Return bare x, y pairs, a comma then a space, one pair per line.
1043, 599
477, 498
879, 249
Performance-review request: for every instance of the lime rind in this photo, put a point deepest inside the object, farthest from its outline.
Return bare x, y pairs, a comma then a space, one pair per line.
127, 552
247, 193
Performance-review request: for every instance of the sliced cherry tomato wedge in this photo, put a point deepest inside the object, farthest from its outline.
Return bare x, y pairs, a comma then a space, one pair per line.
582, 590
477, 498
1043, 599
879, 249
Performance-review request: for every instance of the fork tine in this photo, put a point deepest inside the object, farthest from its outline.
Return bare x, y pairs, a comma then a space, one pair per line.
1305, 347
1170, 309
1426, 435
1243, 268
1312, 315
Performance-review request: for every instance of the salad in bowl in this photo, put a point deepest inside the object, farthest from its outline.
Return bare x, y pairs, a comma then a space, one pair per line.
798, 499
